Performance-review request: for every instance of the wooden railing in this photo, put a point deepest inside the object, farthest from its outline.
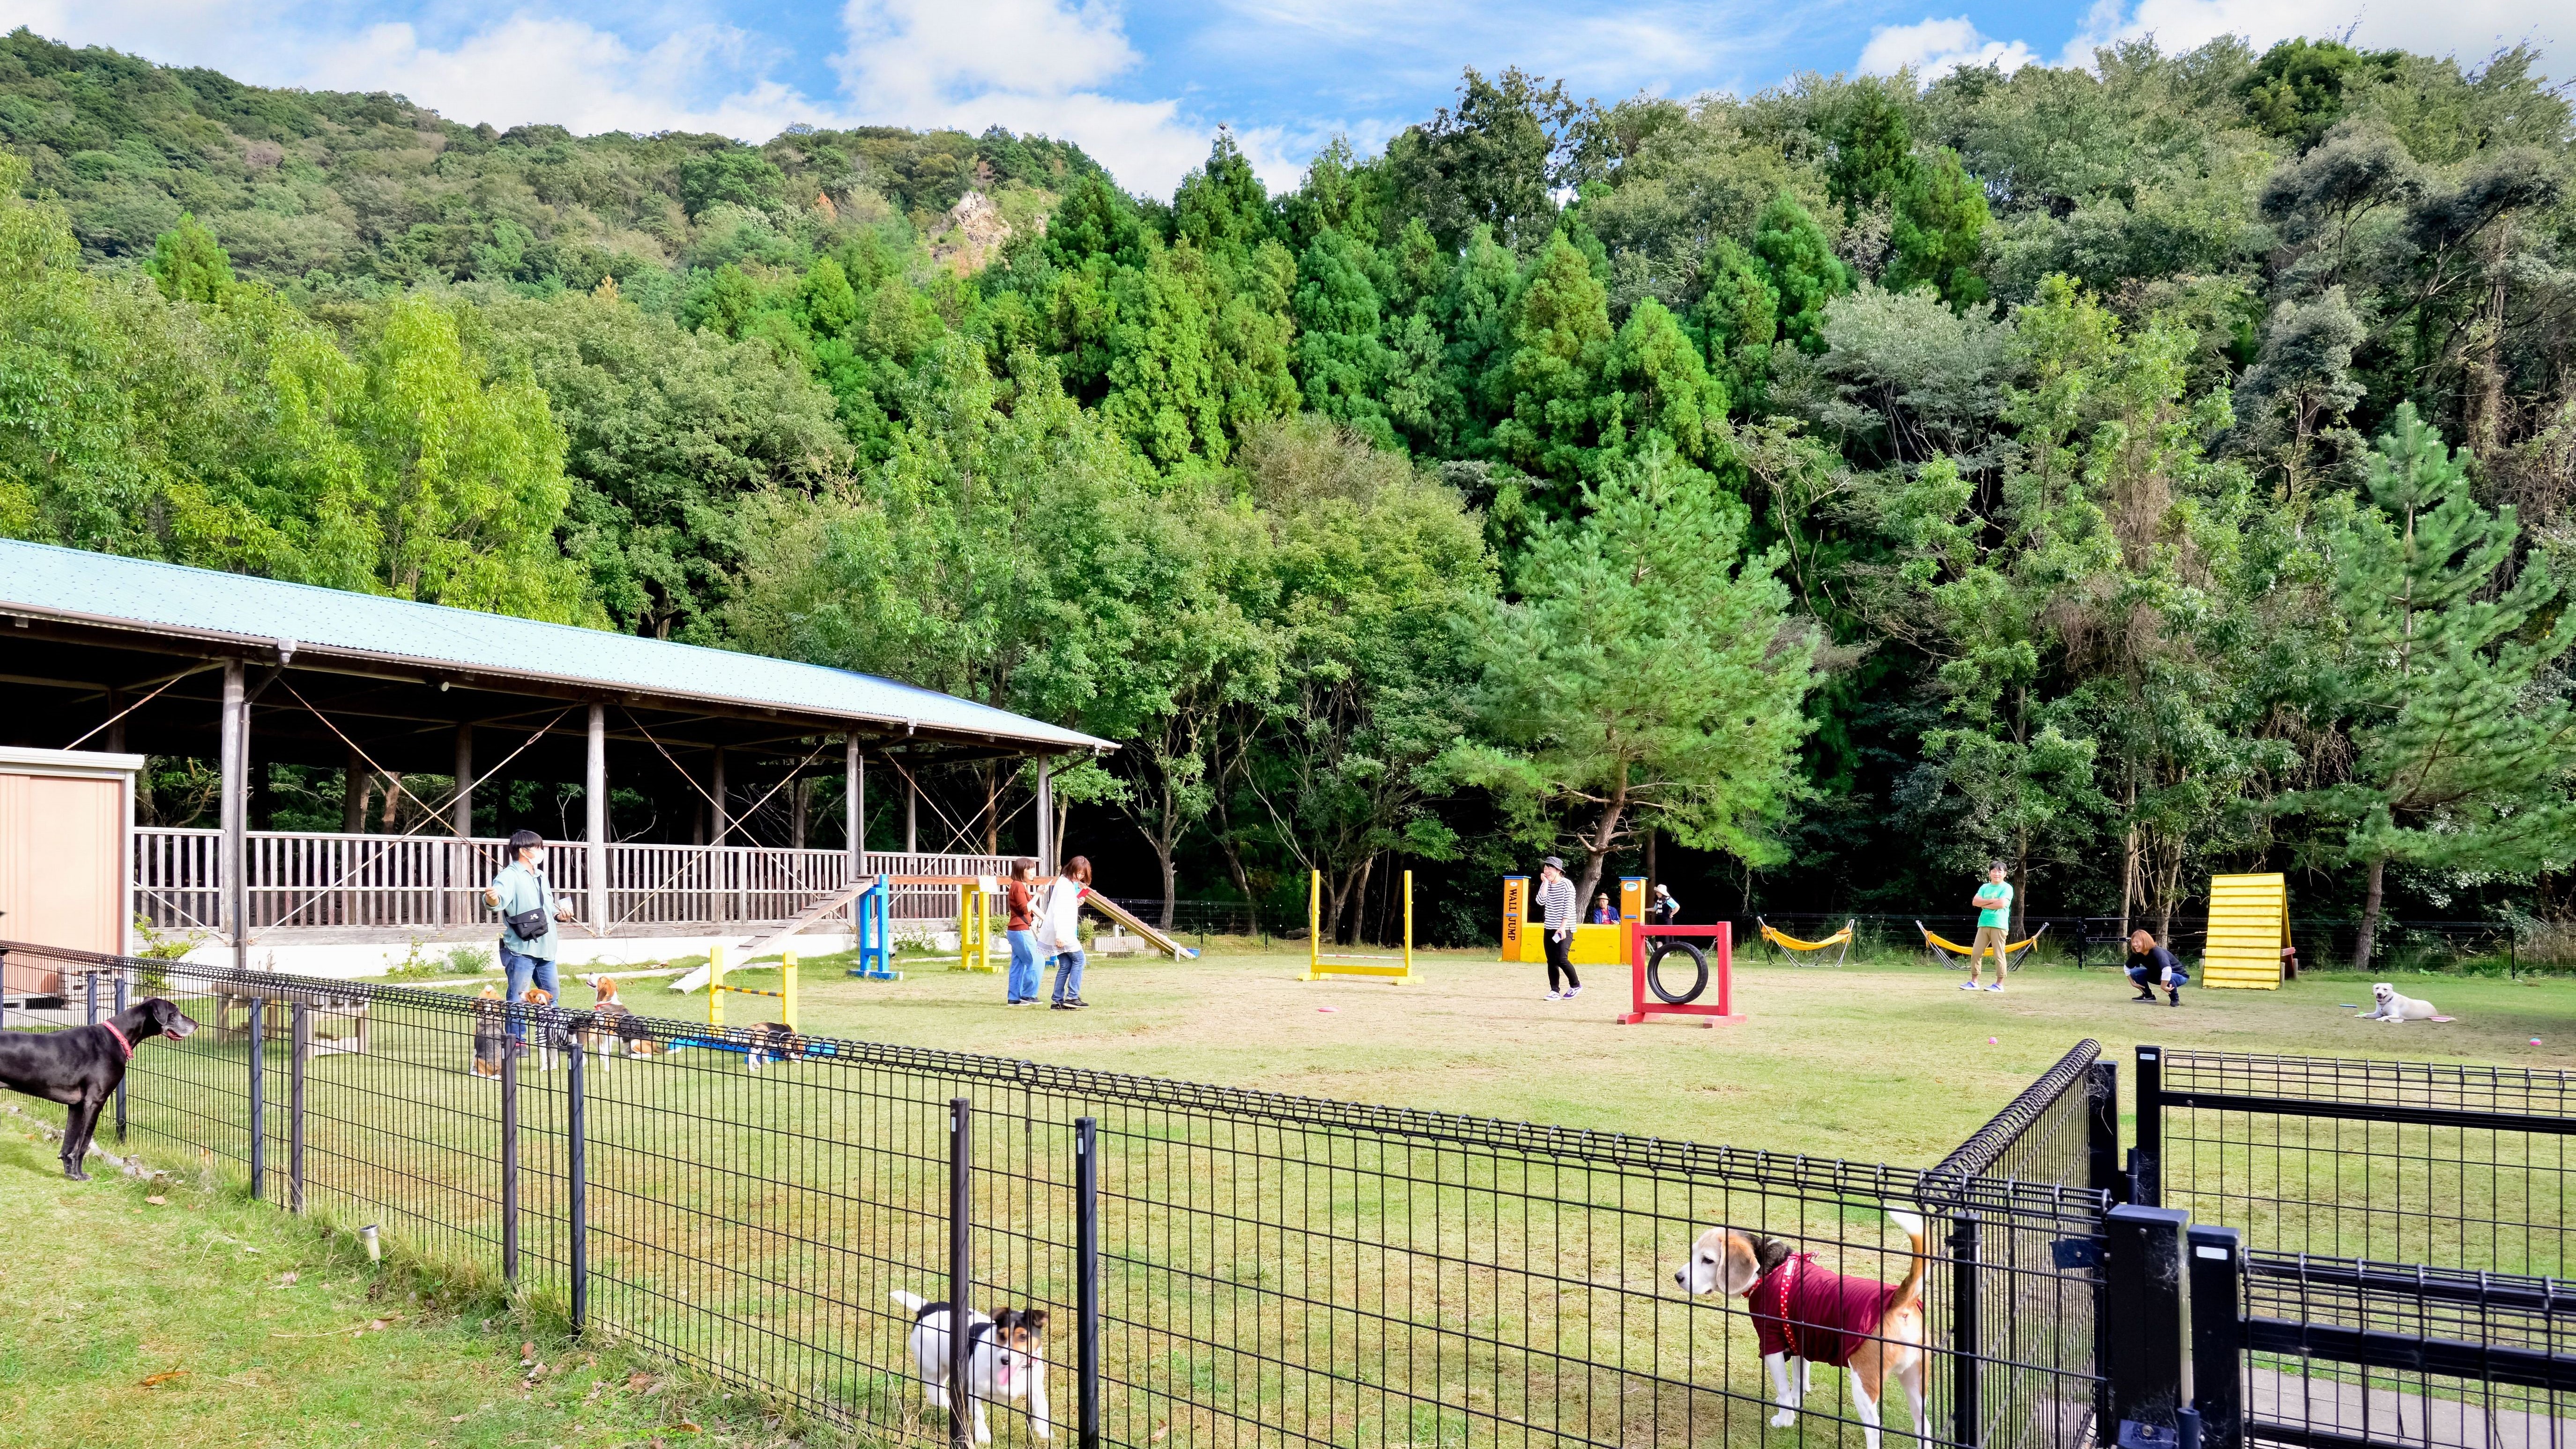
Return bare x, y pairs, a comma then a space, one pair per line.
309, 881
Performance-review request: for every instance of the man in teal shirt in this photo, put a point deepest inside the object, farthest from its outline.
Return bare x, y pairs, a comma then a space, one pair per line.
1993, 901
519, 890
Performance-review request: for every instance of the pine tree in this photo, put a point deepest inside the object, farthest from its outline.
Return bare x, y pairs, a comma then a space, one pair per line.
2464, 745
1802, 269
188, 263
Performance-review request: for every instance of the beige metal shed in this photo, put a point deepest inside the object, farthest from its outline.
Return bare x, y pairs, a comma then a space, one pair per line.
66, 820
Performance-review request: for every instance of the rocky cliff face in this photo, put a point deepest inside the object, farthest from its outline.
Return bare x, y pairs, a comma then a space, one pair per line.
970, 235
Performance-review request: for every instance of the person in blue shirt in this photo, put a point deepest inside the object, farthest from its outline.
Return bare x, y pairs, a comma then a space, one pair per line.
520, 894
1602, 915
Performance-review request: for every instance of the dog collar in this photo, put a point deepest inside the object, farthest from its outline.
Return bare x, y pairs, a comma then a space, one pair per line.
122, 1044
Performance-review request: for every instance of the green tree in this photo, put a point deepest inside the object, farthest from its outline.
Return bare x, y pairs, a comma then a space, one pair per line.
188, 263
1546, 388
1646, 675
2463, 742
1800, 265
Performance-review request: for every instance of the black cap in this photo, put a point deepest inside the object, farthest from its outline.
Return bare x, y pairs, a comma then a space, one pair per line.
522, 839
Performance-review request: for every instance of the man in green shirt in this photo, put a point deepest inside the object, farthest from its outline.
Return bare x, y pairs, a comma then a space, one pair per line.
518, 893
1993, 901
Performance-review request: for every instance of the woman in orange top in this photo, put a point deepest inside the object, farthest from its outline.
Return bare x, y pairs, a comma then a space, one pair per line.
1022, 985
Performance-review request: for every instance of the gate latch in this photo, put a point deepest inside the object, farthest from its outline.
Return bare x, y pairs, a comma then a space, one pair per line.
2076, 1252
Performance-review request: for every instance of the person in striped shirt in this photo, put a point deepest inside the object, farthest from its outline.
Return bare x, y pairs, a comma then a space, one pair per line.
1556, 901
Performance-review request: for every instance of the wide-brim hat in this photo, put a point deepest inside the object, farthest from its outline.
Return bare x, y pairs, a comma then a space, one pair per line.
1557, 861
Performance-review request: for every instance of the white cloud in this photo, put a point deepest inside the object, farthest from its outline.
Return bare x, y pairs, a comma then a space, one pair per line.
2470, 29
1030, 65
1934, 48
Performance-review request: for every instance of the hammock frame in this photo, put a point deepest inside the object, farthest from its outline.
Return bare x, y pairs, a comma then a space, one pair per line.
1949, 953
1781, 943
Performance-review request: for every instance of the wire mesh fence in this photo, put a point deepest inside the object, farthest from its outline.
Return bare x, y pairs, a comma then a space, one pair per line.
2398, 1232
1213, 1266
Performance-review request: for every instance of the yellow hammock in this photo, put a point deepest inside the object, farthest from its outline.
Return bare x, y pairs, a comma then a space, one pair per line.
1842, 938
1954, 955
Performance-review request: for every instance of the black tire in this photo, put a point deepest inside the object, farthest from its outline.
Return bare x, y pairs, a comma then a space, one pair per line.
1655, 973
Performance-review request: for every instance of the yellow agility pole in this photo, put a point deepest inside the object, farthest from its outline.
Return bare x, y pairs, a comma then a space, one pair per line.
715, 985
975, 923
716, 988
1321, 963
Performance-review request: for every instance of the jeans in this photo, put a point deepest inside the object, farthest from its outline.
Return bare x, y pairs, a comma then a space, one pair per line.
1068, 976
525, 971
1023, 983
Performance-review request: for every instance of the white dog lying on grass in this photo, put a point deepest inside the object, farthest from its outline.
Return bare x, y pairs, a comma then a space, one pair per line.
2392, 1007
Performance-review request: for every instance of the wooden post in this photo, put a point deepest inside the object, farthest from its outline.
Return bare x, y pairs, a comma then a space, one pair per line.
594, 796
720, 908
233, 813
854, 817
1046, 814
460, 855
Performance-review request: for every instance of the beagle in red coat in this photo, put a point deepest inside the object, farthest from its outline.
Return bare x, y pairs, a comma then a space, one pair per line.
1805, 1314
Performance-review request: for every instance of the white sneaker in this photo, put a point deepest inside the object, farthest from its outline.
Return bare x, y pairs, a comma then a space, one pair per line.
1997, 987
1970, 985
1570, 995
1551, 996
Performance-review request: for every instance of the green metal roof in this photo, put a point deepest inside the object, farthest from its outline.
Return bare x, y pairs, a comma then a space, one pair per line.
41, 581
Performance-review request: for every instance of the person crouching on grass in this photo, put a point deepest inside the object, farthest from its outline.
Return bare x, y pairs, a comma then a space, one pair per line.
2151, 966
1994, 919
1060, 931
1556, 897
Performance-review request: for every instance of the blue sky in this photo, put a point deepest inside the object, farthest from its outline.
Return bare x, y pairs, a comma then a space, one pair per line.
1142, 83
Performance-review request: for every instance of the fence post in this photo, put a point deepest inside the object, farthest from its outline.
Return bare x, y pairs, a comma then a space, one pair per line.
299, 1046
123, 987
1086, 1276
2146, 1160
4, 989
2102, 1131
1967, 1333
961, 1207
509, 1163
89, 994
2218, 1335
2150, 1380
577, 1174
259, 1097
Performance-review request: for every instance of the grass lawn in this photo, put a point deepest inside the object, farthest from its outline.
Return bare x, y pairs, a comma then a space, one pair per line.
1884, 1061
157, 1315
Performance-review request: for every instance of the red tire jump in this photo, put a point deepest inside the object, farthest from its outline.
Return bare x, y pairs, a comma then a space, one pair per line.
1644, 1003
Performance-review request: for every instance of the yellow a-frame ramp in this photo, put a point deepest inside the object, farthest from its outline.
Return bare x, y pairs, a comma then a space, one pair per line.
2249, 923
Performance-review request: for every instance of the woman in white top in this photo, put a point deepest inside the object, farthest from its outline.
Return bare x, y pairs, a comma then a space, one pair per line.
1060, 931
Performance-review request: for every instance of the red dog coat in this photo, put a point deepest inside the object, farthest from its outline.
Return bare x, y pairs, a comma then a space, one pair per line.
1816, 1313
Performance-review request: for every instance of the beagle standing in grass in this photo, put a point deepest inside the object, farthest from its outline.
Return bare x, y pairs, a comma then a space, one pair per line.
1805, 1314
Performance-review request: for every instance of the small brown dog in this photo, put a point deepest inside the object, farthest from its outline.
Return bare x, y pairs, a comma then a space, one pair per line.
490, 1040
1805, 1314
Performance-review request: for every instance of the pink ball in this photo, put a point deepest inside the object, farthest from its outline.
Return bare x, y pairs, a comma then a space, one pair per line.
1993, 1041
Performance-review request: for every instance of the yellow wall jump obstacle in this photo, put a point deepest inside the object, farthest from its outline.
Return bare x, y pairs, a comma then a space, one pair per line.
2249, 927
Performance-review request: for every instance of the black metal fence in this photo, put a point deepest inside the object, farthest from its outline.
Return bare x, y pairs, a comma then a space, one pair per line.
2397, 1231
2091, 941
1216, 1266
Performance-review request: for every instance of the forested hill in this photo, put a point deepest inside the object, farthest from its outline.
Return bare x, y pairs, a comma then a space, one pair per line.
2126, 472
315, 188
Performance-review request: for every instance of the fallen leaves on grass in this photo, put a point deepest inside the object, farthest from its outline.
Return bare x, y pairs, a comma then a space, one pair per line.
157, 1200
156, 1380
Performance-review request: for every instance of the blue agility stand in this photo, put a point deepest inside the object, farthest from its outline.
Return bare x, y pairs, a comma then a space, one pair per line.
875, 940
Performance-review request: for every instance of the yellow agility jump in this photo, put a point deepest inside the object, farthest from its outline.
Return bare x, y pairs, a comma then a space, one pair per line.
1955, 956
1321, 963
1782, 941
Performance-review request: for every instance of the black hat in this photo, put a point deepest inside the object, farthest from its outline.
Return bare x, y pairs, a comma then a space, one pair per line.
1557, 861
522, 839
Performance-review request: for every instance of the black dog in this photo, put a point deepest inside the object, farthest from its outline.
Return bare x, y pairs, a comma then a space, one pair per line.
82, 1066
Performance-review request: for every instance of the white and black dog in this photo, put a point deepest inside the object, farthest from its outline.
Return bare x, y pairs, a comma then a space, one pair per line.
1006, 1362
